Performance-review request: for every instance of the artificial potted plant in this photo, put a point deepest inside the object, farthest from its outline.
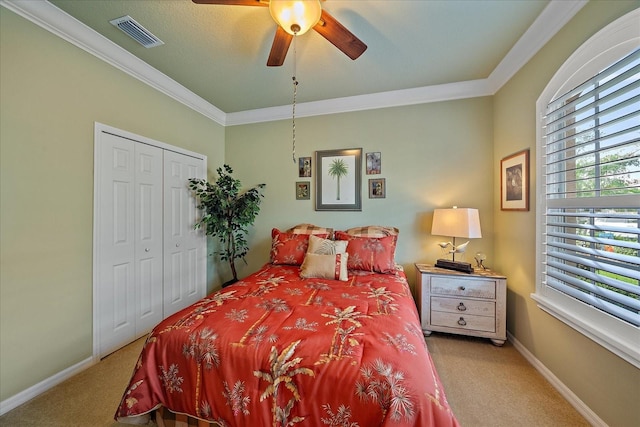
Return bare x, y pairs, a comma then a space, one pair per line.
227, 213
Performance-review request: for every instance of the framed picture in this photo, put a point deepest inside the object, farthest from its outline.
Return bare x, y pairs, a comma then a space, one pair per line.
374, 163
303, 190
338, 180
514, 182
377, 188
304, 167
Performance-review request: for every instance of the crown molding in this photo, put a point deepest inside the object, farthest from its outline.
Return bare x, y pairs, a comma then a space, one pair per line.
44, 14
396, 98
551, 20
547, 24
63, 25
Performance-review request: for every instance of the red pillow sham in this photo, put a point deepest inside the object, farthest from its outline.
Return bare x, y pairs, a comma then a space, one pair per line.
289, 248
369, 253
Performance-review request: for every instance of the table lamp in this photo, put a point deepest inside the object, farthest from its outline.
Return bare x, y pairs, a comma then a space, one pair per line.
463, 222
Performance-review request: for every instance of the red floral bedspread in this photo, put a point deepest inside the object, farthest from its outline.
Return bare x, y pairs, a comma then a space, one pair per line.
274, 349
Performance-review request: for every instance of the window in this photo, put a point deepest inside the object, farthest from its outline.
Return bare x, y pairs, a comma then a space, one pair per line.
589, 191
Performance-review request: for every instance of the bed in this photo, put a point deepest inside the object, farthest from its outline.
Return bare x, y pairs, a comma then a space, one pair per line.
326, 333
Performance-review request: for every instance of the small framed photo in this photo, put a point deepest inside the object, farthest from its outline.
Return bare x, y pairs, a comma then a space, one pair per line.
374, 163
304, 167
303, 190
377, 188
514, 182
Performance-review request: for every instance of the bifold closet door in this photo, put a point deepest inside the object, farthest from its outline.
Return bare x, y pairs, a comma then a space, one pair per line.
184, 247
149, 261
129, 231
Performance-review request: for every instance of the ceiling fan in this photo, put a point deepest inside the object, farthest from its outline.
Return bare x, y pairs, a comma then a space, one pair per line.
296, 18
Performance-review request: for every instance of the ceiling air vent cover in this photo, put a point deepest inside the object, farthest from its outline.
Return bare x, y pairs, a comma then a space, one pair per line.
137, 31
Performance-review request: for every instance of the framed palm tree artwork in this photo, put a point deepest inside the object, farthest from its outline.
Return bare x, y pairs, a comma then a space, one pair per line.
339, 180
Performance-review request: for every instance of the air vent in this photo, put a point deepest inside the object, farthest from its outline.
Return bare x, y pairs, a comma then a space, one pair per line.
137, 31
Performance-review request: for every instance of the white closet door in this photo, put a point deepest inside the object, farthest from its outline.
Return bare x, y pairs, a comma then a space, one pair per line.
129, 232
148, 243
149, 262
115, 218
184, 247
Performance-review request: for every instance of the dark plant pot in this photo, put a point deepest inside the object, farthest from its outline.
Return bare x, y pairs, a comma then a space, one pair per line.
230, 282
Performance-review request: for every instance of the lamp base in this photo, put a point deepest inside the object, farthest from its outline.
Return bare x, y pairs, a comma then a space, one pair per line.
465, 267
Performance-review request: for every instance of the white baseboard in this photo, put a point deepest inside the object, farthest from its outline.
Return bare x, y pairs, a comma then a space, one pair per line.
37, 389
573, 400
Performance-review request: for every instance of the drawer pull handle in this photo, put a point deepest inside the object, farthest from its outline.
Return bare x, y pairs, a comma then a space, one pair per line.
461, 307
462, 288
462, 322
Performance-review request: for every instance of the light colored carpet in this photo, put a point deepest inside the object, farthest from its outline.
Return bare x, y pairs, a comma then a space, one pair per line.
89, 399
486, 386
496, 386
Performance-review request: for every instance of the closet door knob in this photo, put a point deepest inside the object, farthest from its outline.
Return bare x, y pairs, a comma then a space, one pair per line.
147, 249
177, 245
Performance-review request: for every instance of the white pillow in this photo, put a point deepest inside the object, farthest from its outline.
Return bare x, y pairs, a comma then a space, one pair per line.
324, 266
318, 245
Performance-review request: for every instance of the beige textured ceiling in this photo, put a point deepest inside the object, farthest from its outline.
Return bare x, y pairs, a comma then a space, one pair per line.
219, 52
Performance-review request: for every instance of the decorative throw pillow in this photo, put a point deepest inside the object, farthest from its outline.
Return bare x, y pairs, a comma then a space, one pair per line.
373, 231
311, 229
288, 248
325, 266
318, 245
370, 253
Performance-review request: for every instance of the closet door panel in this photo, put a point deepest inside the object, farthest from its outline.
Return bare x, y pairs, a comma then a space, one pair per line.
184, 248
192, 262
121, 322
149, 229
196, 252
115, 270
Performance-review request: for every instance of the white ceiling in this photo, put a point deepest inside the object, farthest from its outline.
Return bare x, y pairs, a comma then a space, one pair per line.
418, 50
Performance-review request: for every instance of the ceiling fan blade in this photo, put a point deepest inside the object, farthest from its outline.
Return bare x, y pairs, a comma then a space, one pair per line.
339, 36
279, 48
234, 2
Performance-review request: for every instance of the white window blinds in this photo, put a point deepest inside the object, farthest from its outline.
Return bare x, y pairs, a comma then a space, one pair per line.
592, 191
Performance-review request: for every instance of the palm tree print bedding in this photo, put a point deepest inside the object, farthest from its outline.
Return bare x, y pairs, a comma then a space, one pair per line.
277, 350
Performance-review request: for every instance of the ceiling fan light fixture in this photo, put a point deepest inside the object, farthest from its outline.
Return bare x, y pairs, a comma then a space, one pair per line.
296, 17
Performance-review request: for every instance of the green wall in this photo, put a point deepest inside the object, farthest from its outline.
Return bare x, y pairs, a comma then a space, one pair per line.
608, 385
433, 155
52, 93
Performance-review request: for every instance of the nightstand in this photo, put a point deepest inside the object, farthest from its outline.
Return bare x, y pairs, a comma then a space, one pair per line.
460, 303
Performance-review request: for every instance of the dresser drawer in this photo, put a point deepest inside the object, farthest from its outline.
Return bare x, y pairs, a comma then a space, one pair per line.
478, 288
460, 306
463, 321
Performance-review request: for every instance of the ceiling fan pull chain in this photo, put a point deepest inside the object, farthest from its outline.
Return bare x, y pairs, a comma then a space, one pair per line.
295, 92
293, 121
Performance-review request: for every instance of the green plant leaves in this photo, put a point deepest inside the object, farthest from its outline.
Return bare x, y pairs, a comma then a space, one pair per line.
227, 212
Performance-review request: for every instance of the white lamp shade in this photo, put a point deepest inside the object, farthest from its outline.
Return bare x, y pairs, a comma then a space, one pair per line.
456, 222
289, 14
